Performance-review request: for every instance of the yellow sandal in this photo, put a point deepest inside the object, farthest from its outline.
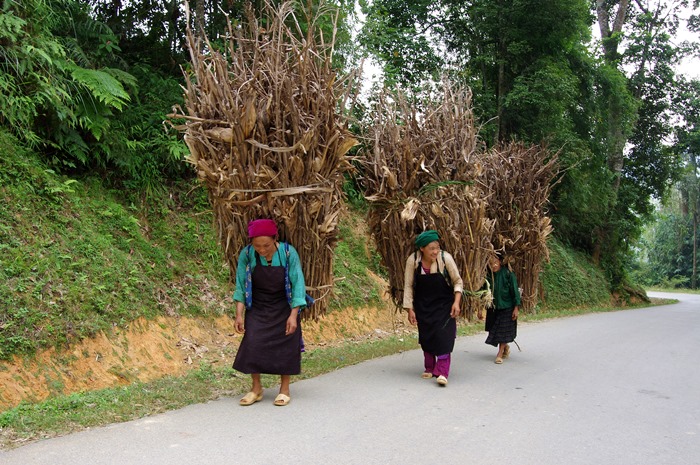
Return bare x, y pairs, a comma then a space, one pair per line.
250, 398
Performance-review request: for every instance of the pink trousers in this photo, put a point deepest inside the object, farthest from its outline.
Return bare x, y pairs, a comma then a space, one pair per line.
437, 364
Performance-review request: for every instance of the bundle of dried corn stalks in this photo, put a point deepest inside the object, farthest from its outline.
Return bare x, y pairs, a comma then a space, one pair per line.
422, 174
266, 138
519, 180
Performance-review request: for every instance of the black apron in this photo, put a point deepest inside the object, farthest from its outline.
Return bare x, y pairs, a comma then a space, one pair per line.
265, 348
432, 303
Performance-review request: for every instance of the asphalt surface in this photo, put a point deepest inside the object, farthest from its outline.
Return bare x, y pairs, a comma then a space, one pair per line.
611, 388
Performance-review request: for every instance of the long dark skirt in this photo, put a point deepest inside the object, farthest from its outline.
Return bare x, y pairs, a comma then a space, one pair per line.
265, 348
501, 327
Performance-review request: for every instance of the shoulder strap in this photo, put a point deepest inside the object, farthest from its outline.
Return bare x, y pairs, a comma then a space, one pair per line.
287, 281
248, 280
252, 257
444, 269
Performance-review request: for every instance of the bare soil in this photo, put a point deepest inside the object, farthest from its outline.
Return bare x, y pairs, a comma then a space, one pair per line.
150, 349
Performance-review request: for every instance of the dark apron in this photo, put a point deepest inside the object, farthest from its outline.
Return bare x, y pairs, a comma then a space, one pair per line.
432, 303
265, 348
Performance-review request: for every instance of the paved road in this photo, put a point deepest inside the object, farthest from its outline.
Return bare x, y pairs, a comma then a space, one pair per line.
614, 388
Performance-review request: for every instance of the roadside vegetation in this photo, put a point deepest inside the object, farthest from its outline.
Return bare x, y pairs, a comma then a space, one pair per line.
78, 259
102, 223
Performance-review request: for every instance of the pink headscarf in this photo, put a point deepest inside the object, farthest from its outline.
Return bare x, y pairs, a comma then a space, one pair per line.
264, 227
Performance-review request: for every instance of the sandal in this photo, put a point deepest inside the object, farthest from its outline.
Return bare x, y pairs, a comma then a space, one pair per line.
506, 351
426, 375
442, 381
250, 398
282, 399
499, 360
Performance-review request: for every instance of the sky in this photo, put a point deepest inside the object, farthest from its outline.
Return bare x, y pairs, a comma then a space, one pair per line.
690, 66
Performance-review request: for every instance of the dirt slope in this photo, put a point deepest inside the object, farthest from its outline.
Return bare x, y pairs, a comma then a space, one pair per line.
147, 350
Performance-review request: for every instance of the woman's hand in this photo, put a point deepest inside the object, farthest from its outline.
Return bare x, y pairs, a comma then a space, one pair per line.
412, 317
292, 322
239, 325
454, 313
240, 321
515, 313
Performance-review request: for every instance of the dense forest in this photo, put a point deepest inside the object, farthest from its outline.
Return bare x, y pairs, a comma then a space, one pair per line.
90, 84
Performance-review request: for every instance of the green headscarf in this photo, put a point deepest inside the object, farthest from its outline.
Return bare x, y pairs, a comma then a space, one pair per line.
426, 237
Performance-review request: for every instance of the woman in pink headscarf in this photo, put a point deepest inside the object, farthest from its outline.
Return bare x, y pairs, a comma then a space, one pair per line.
270, 291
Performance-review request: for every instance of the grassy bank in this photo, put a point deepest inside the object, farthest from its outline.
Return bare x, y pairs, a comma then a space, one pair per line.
77, 411
77, 259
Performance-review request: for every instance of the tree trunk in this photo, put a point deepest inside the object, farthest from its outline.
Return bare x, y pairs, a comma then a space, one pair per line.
610, 35
694, 200
694, 279
500, 127
200, 15
502, 88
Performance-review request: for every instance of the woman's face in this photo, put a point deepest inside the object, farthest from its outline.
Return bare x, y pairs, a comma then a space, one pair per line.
494, 264
264, 245
431, 251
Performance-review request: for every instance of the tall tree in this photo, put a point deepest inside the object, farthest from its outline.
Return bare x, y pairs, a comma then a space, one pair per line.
687, 105
636, 37
534, 79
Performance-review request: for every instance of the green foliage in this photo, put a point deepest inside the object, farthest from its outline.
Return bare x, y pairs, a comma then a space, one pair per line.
665, 258
541, 101
652, 53
570, 280
145, 155
56, 92
354, 257
354, 195
398, 33
75, 261
101, 86
76, 258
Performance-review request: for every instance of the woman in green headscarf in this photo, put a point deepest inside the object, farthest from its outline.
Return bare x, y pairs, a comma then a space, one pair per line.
432, 296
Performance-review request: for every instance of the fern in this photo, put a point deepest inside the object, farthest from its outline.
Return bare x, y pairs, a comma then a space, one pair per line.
11, 27
102, 86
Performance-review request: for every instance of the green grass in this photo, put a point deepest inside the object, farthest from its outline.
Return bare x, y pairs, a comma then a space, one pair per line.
77, 259
65, 414
674, 290
352, 258
571, 281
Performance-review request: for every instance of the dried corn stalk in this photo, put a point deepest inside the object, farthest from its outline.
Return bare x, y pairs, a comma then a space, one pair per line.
423, 173
519, 181
266, 138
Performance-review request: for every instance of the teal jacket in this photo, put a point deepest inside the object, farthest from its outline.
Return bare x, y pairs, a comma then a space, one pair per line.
247, 263
504, 288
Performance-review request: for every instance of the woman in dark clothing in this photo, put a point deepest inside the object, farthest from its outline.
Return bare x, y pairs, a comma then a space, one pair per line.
432, 296
270, 290
502, 317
